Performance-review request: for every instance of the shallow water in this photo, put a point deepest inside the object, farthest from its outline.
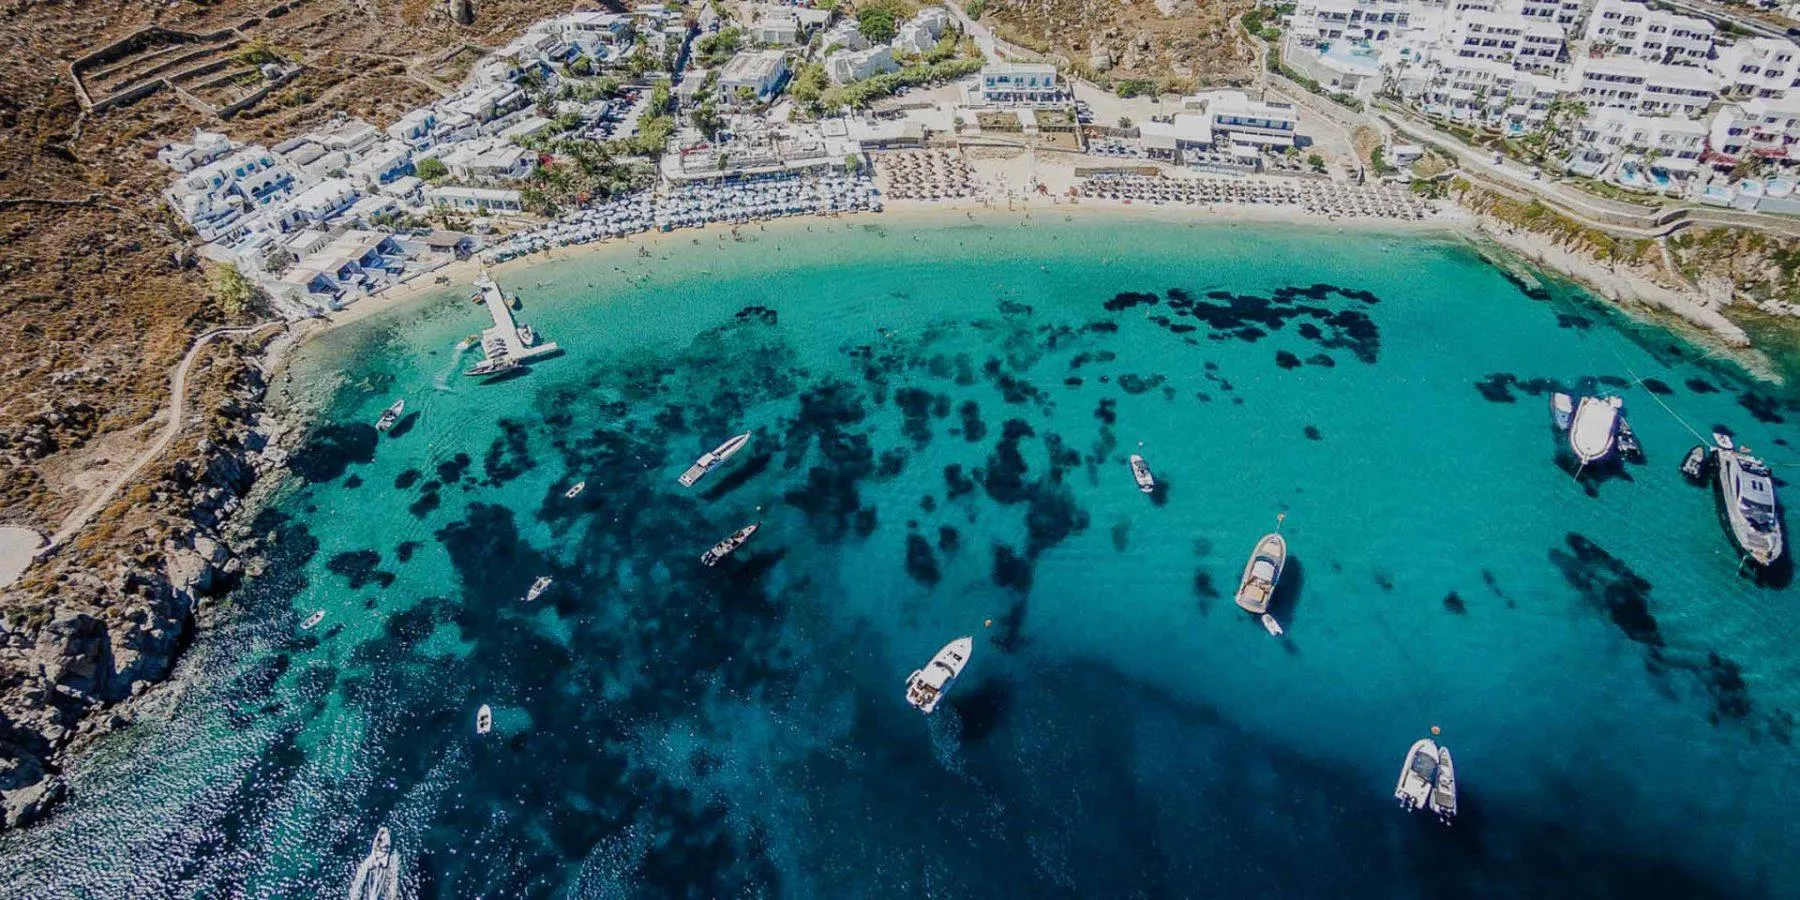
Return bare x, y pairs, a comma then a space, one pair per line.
941, 415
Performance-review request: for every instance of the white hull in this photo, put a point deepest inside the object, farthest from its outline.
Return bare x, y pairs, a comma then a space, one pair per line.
484, 720
1595, 429
1443, 793
1562, 410
1257, 586
538, 588
1140, 472
926, 687
1418, 775
312, 620
724, 548
712, 458
378, 876
1748, 493
575, 491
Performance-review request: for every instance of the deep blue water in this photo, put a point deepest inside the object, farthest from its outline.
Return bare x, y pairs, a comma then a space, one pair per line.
941, 415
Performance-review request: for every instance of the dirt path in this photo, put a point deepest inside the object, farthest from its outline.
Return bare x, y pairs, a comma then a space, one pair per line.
85, 513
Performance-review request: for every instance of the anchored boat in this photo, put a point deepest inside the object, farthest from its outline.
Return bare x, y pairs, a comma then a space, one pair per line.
1418, 775
538, 588
1693, 466
925, 687
723, 548
1443, 789
1594, 429
1628, 442
1140, 472
312, 620
1257, 586
1748, 493
390, 415
378, 877
526, 335
1562, 410
495, 366
484, 720
712, 458
575, 490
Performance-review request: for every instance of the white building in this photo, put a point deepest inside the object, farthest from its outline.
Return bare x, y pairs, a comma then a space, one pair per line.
415, 127
1627, 28
489, 159
922, 32
846, 66
1024, 83
383, 163
1646, 149
846, 35
1757, 67
473, 199
1764, 127
1236, 118
1628, 83
760, 71
598, 34
1524, 41
780, 28
204, 148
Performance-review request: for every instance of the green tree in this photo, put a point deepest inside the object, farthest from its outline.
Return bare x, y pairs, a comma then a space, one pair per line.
432, 169
1316, 161
707, 119
809, 85
879, 22
236, 294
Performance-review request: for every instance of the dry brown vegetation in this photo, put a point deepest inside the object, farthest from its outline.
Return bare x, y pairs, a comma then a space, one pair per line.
1171, 44
102, 296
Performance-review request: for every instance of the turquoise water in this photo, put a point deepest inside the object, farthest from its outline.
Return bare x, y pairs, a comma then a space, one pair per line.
941, 416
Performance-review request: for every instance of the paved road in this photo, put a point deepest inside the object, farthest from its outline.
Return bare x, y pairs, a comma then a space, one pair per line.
1715, 11
79, 519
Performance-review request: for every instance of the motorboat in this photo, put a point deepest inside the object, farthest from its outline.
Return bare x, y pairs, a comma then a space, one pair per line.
723, 548
1693, 466
538, 588
1443, 789
926, 687
526, 335
1140, 472
492, 366
1595, 428
1748, 491
484, 719
312, 620
390, 415
378, 876
1562, 410
1257, 586
1628, 442
469, 341
712, 458
575, 490
1418, 775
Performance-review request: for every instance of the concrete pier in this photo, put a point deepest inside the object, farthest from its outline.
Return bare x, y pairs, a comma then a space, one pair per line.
502, 341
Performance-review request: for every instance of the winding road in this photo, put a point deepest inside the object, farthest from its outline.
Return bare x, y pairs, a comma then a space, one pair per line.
85, 513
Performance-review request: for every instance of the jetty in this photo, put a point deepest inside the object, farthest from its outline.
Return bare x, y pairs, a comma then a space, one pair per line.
502, 346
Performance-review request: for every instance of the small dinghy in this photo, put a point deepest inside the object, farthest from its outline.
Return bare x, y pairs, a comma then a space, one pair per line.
1257, 586
1723, 440
1693, 466
926, 687
1272, 626
1140, 472
1595, 428
1562, 410
312, 620
484, 720
390, 415
538, 588
575, 490
1418, 775
1443, 790
1628, 443
724, 548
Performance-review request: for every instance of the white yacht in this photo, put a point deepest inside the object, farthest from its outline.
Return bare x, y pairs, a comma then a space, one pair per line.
1418, 775
390, 415
1257, 587
927, 686
1443, 789
712, 458
1562, 410
1140, 472
312, 620
1595, 427
378, 876
1748, 493
723, 548
484, 719
538, 588
575, 490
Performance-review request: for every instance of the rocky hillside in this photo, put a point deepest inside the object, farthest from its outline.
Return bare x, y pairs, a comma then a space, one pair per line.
104, 297
1171, 44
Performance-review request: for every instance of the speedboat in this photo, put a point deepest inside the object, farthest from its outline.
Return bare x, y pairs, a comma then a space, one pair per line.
538, 588
494, 366
390, 415
1262, 573
1694, 465
312, 620
468, 342
925, 687
526, 335
1595, 427
1140, 472
1562, 410
1443, 790
484, 719
1748, 492
1418, 775
575, 490
723, 548
712, 458
1628, 442
378, 876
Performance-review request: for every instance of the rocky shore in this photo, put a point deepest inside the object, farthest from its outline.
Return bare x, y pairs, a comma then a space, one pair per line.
105, 617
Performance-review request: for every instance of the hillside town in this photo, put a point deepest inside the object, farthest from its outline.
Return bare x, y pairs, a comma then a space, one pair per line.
595, 124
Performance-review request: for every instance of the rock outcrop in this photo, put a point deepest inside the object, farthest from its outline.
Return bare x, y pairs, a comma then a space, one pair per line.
102, 620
